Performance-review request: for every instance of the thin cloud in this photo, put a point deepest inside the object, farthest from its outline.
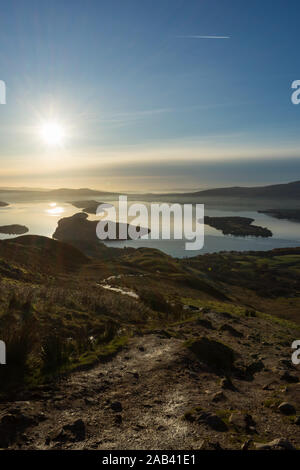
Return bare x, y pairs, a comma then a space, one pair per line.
203, 37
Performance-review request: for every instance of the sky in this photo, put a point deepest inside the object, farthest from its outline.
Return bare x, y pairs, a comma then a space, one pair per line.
151, 95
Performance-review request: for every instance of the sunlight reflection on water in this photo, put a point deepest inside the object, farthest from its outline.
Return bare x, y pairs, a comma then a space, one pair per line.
55, 209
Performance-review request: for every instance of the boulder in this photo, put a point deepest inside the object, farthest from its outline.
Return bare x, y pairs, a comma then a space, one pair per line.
231, 330
287, 408
14, 424
254, 367
215, 422
71, 432
242, 422
216, 355
279, 443
211, 419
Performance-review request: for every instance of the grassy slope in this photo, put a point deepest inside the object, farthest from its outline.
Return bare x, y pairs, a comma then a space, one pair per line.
51, 291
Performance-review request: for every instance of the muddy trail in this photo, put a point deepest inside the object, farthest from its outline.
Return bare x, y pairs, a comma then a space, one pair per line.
156, 394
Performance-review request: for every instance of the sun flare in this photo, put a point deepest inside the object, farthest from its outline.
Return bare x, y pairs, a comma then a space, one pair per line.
52, 133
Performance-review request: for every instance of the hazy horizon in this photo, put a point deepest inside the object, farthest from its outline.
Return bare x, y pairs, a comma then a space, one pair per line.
137, 191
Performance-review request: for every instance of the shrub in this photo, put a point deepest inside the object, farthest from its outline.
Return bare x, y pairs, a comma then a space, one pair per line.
55, 353
21, 340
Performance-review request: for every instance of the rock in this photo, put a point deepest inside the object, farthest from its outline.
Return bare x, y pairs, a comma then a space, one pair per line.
71, 432
268, 386
246, 444
216, 423
116, 406
279, 443
254, 367
205, 323
242, 421
213, 353
213, 421
90, 402
209, 445
287, 377
287, 408
297, 421
219, 396
191, 307
13, 425
227, 384
231, 330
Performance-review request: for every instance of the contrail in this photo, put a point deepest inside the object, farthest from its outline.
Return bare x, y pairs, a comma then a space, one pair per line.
204, 37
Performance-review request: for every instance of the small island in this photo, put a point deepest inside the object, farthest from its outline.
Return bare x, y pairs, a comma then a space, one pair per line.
90, 207
237, 226
79, 228
287, 214
3, 204
14, 229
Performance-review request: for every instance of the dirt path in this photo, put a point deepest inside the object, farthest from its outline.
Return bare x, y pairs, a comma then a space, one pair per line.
138, 400
136, 379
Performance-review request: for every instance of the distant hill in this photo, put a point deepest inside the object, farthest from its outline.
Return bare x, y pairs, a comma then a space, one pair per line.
287, 191
76, 192
282, 191
276, 191
60, 193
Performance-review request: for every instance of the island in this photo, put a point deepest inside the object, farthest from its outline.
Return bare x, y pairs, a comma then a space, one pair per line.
237, 226
14, 229
90, 207
287, 214
79, 228
3, 204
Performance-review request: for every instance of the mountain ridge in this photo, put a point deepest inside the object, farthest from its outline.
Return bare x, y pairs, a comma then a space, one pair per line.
286, 190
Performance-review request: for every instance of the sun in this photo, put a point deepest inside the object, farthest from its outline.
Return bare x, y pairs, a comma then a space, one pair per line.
52, 133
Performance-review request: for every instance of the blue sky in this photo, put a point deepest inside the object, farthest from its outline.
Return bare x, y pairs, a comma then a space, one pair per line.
144, 103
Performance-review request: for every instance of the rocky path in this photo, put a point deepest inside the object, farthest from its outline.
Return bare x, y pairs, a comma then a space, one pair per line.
139, 399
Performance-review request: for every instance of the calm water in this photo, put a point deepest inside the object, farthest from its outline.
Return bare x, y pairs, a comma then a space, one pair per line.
41, 218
